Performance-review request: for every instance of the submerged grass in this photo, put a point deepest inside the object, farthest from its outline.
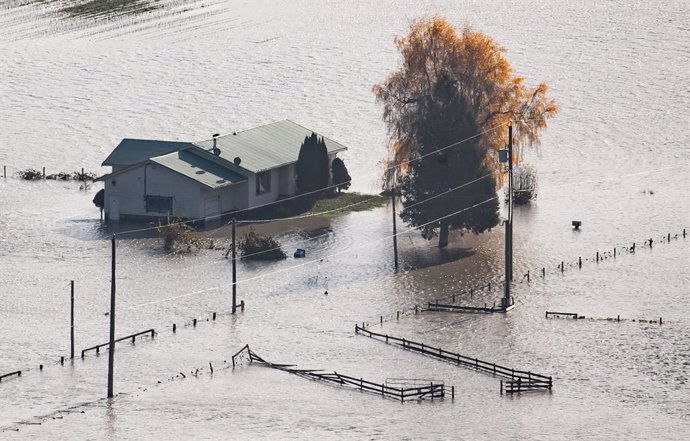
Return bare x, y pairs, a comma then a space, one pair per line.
106, 7
330, 204
344, 202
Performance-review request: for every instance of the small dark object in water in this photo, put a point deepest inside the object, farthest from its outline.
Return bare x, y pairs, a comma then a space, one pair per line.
300, 253
576, 224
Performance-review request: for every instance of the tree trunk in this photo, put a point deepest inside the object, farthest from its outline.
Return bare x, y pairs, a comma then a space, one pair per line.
443, 234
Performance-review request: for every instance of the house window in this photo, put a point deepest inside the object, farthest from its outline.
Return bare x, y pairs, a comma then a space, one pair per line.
159, 204
263, 182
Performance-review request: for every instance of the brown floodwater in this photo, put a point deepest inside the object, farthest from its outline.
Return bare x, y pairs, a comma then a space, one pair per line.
614, 158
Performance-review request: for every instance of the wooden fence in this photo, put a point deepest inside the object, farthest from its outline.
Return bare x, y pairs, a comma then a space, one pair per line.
528, 379
11, 374
132, 337
415, 391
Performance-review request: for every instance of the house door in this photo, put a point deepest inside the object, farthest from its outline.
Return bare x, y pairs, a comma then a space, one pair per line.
114, 208
211, 207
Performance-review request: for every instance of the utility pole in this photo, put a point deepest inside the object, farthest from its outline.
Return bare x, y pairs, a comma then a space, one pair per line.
111, 345
395, 231
71, 333
234, 270
509, 225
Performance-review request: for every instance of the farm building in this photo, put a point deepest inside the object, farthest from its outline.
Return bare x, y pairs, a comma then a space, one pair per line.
203, 179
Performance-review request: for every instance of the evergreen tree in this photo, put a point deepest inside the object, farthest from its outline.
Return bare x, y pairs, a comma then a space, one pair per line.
341, 177
448, 169
453, 87
312, 165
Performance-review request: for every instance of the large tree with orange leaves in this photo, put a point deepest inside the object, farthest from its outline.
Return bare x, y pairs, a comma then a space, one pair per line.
448, 108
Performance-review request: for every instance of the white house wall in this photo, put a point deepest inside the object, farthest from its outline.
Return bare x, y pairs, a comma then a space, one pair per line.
260, 199
160, 181
233, 197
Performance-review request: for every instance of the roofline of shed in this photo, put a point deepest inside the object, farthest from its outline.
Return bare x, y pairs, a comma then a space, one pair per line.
151, 160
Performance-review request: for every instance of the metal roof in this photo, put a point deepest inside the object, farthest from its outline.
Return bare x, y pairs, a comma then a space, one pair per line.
134, 151
193, 166
268, 146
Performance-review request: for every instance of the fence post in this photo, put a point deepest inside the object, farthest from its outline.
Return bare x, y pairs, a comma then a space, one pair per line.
44, 173
579, 261
4, 173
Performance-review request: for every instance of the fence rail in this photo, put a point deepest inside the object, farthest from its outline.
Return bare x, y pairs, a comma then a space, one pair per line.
562, 314
419, 392
525, 377
133, 337
517, 386
11, 374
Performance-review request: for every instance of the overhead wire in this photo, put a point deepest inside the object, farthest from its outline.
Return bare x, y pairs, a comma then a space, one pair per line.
255, 207
344, 229
347, 250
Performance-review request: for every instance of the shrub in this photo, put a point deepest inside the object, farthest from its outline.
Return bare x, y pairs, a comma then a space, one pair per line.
180, 237
255, 246
30, 174
341, 177
524, 184
87, 176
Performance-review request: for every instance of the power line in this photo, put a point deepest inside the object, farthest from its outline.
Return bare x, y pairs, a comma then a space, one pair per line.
347, 250
311, 192
344, 229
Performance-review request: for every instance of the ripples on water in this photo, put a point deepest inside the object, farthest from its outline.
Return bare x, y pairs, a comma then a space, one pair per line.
72, 89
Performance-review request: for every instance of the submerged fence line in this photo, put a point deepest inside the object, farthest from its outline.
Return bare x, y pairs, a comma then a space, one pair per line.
617, 319
31, 174
96, 348
416, 391
528, 379
497, 284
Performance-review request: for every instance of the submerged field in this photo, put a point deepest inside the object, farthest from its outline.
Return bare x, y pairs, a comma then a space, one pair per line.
614, 158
